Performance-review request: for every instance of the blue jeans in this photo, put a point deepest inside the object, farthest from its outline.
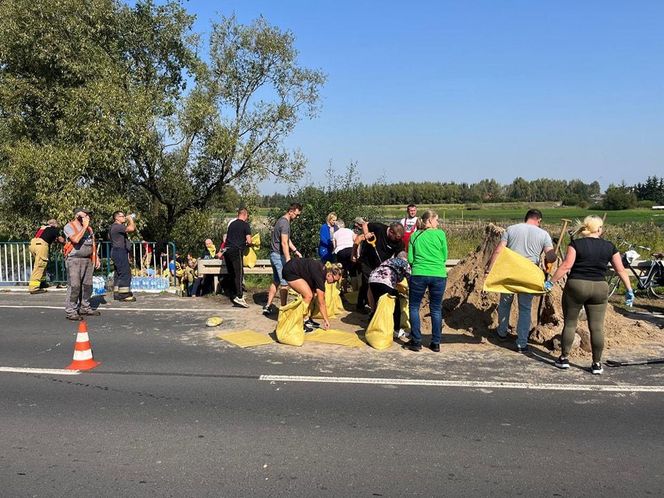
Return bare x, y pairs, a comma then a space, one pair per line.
278, 261
418, 285
523, 324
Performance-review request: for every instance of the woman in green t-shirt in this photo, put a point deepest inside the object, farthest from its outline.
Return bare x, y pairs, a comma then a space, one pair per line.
427, 254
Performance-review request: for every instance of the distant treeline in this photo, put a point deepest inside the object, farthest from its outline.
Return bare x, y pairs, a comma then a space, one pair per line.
572, 192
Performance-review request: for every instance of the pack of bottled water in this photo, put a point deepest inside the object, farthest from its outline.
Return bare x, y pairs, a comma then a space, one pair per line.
98, 286
149, 284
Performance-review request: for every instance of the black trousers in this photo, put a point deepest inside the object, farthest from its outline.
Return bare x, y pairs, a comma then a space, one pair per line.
378, 290
122, 281
233, 260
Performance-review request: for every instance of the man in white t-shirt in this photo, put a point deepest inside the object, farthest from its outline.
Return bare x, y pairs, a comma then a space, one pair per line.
343, 240
409, 223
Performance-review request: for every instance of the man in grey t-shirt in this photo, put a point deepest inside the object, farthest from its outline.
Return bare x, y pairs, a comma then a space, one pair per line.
530, 241
281, 248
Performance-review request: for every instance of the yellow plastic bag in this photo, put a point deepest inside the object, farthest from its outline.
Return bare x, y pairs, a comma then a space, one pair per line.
405, 314
402, 287
290, 323
351, 297
249, 258
380, 331
332, 301
513, 273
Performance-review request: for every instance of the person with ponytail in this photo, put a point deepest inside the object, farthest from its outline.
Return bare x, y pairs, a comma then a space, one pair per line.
307, 277
586, 261
427, 254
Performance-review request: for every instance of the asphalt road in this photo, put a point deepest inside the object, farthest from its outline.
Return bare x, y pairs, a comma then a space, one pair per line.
171, 411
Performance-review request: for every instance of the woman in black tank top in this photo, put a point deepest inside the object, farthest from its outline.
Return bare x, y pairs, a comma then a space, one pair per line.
587, 261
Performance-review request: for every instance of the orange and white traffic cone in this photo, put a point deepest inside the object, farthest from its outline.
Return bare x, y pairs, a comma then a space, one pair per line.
83, 359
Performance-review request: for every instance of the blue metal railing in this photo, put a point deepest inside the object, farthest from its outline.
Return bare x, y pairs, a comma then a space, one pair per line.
147, 259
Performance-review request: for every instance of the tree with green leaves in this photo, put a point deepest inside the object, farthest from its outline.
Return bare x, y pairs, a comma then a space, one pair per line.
96, 111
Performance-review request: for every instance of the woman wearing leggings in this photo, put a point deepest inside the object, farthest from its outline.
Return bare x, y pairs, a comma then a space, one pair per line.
586, 261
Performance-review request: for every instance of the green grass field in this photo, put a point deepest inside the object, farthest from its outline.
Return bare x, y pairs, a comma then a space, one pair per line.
511, 212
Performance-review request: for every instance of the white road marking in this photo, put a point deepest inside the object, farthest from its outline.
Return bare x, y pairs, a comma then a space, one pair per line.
46, 371
61, 308
475, 384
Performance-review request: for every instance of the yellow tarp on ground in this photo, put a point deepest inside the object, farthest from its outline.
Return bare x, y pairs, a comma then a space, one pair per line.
332, 301
380, 332
513, 273
245, 338
290, 323
332, 336
249, 258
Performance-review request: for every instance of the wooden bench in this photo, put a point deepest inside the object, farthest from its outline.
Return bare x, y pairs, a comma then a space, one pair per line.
217, 268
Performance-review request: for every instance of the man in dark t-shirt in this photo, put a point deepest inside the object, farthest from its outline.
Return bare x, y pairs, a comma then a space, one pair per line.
39, 246
381, 242
238, 237
120, 247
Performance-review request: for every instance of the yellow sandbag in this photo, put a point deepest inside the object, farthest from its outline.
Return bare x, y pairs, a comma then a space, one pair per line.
214, 321
380, 331
332, 301
351, 297
405, 314
402, 287
513, 273
290, 326
245, 338
249, 258
339, 337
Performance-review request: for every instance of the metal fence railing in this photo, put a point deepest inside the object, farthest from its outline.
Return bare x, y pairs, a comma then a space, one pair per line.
149, 260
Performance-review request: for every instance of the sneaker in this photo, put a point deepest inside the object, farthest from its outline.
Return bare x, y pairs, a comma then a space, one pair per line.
502, 338
596, 368
308, 328
267, 310
37, 291
74, 318
312, 324
401, 334
413, 346
522, 349
562, 362
240, 302
128, 299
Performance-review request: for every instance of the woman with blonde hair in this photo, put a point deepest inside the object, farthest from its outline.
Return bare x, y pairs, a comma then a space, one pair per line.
326, 240
587, 260
307, 277
427, 253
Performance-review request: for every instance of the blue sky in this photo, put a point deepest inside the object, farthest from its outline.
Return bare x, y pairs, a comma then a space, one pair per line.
466, 90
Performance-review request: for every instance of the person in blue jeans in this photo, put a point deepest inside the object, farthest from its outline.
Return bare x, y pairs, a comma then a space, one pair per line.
427, 254
530, 241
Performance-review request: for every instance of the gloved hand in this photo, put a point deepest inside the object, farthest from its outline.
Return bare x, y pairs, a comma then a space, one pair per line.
629, 298
548, 285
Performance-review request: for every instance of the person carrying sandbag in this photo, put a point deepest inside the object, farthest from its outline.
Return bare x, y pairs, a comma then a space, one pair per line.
384, 279
308, 276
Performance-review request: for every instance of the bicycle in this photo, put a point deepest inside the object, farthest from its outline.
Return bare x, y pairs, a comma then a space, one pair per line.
649, 279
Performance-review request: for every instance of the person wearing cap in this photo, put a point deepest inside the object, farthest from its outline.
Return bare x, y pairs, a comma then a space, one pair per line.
39, 246
120, 248
81, 259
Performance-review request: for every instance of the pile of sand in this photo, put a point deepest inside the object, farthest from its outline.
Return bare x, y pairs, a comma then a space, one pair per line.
467, 307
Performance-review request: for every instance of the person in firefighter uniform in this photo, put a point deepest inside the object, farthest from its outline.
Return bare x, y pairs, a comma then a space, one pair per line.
39, 247
120, 248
